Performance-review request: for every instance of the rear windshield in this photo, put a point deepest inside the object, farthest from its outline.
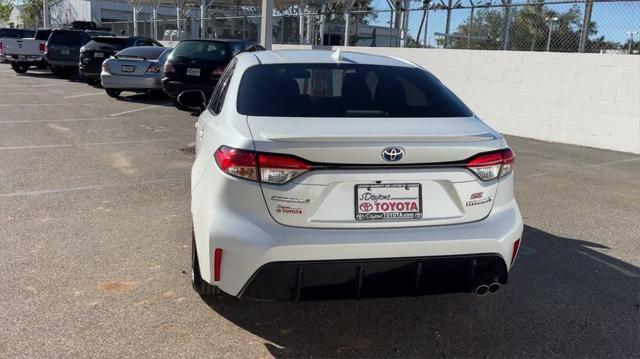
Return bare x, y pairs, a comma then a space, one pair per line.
111, 42
146, 52
71, 38
43, 34
202, 50
345, 90
16, 33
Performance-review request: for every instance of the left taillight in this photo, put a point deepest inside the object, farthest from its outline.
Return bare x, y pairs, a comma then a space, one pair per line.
217, 72
153, 69
492, 165
265, 167
105, 67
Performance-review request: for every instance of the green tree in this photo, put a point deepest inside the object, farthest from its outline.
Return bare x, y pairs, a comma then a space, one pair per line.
5, 10
31, 13
487, 25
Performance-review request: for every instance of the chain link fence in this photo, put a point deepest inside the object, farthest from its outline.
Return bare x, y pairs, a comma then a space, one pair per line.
612, 26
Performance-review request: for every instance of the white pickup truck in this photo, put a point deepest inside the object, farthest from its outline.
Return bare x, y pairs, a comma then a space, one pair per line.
26, 52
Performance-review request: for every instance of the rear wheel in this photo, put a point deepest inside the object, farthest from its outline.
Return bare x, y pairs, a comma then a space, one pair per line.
19, 67
63, 72
115, 93
203, 288
92, 81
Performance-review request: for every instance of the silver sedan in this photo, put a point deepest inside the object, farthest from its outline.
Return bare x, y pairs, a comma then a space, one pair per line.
137, 69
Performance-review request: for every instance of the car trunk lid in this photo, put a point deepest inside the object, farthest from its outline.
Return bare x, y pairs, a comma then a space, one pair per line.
352, 186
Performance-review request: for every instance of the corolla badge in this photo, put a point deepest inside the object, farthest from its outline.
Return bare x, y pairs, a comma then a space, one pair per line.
392, 154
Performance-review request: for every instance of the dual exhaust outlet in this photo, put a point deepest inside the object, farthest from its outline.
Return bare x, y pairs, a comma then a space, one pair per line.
484, 289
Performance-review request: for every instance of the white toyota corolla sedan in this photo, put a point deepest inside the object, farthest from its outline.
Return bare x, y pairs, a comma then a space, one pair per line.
326, 175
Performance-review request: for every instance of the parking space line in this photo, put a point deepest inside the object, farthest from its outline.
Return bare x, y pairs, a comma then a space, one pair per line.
136, 110
85, 94
88, 119
89, 188
88, 144
611, 265
45, 104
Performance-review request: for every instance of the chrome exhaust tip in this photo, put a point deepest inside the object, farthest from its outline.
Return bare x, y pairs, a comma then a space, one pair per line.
482, 290
494, 288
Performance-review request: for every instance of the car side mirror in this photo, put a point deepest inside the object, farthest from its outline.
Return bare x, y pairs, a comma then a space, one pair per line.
193, 99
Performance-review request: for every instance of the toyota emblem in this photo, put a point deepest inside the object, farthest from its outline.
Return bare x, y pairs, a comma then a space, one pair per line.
392, 154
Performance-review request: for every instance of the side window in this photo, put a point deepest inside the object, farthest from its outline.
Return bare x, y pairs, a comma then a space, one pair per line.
220, 92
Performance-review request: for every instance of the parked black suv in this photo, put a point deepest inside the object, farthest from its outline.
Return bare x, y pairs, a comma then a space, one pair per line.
63, 49
198, 64
101, 48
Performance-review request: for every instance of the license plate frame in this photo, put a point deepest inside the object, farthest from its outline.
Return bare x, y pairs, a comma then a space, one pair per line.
193, 71
127, 68
98, 55
393, 203
65, 52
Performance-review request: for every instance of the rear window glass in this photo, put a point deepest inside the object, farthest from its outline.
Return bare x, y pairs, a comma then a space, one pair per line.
43, 34
70, 38
16, 33
345, 90
146, 52
202, 50
110, 42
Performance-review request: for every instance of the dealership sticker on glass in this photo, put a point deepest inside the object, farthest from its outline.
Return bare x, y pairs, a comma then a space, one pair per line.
388, 202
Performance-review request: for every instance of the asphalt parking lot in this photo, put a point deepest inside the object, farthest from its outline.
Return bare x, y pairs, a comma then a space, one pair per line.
95, 251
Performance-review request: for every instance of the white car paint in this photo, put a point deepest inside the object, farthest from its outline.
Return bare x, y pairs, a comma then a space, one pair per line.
241, 217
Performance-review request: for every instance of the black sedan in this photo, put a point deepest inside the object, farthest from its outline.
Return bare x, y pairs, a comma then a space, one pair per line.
101, 48
198, 64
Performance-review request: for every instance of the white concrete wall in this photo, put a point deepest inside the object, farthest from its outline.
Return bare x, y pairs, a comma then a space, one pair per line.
584, 99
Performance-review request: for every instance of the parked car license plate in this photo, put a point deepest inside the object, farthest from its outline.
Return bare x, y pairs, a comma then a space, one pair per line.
98, 54
193, 72
388, 202
128, 68
64, 52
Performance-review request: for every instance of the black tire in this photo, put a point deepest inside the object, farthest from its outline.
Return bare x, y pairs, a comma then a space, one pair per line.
19, 68
92, 81
63, 72
203, 288
179, 106
113, 93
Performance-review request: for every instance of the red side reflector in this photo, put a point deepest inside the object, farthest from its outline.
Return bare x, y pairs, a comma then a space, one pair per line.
217, 260
516, 246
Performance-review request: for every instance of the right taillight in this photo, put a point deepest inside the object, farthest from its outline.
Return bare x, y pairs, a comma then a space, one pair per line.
43, 48
265, 167
492, 165
168, 68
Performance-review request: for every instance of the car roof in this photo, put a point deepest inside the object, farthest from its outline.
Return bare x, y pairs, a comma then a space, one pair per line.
222, 40
327, 56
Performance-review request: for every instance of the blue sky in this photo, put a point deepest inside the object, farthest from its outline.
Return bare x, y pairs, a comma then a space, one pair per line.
613, 19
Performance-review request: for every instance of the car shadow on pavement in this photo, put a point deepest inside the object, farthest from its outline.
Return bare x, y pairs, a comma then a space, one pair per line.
564, 298
41, 74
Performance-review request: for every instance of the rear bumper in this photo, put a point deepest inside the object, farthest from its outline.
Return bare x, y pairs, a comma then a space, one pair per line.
374, 278
174, 88
257, 250
89, 72
145, 82
25, 58
60, 63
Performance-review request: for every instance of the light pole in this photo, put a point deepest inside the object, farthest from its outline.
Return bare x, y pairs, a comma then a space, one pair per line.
631, 33
45, 14
550, 22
